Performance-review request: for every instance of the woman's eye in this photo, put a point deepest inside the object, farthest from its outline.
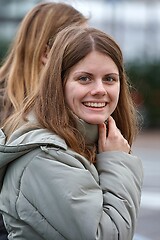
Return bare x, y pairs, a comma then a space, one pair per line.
84, 79
110, 79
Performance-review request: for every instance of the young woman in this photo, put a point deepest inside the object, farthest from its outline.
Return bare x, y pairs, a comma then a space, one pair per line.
66, 168
19, 74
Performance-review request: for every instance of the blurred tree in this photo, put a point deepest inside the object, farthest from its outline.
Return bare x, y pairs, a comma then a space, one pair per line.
146, 79
3, 49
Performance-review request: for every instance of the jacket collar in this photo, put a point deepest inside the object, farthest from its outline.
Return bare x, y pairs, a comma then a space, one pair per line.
89, 131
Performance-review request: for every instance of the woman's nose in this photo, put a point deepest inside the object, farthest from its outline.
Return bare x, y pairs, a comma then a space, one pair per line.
98, 89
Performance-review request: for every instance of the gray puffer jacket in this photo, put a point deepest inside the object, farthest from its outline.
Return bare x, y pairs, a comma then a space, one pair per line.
50, 192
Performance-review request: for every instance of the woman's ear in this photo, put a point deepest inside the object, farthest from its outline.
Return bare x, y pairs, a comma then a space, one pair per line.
44, 57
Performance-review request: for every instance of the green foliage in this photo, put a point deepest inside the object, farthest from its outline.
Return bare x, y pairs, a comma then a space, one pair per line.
3, 49
146, 79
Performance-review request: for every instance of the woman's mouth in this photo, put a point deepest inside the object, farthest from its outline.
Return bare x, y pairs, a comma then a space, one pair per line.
95, 104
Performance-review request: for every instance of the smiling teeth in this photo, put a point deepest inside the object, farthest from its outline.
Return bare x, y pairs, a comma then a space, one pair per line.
96, 105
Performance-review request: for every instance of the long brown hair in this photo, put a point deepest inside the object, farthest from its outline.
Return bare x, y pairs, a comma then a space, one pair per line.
21, 69
72, 45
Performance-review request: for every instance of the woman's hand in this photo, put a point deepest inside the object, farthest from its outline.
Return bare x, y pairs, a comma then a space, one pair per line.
114, 141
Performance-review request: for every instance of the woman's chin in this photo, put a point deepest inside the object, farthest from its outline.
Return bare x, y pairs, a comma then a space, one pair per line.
94, 122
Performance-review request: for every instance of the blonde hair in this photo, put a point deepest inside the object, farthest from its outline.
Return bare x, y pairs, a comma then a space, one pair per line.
72, 45
22, 68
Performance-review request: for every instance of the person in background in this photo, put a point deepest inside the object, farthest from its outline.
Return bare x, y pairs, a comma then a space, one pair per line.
20, 72
68, 171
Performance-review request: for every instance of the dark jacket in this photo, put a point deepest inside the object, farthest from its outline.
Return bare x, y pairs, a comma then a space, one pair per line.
3, 232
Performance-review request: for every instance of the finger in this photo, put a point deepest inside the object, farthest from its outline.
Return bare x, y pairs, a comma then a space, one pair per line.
114, 135
102, 132
102, 136
112, 128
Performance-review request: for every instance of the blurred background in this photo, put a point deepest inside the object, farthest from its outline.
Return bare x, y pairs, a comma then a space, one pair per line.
135, 25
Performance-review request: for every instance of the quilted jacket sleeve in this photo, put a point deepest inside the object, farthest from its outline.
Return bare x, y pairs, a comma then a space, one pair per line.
121, 178
61, 199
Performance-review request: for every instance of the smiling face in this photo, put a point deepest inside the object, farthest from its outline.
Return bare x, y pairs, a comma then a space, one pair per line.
92, 88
